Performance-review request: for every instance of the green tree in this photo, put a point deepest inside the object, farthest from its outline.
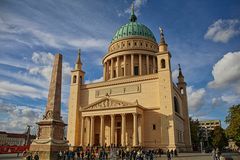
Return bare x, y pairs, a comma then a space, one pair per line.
195, 133
233, 121
219, 139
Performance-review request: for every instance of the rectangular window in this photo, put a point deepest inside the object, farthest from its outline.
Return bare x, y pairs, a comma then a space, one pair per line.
122, 69
114, 73
136, 70
118, 124
154, 127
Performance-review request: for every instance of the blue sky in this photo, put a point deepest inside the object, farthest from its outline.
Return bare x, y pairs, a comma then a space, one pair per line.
203, 36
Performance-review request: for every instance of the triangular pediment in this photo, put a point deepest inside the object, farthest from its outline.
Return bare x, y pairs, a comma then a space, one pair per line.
107, 103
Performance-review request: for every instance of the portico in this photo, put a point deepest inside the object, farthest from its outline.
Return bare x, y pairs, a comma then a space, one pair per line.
104, 123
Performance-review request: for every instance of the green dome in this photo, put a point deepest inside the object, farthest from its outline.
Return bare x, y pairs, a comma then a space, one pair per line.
133, 29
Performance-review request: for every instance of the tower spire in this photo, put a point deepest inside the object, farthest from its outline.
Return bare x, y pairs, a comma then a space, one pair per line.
180, 71
163, 47
133, 17
78, 64
162, 39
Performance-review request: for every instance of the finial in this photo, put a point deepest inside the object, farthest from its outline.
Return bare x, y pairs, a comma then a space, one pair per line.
179, 67
79, 51
162, 40
133, 17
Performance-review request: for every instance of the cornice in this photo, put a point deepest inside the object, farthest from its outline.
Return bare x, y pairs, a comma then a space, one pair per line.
124, 80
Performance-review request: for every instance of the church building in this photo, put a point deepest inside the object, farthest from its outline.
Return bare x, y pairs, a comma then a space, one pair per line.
137, 103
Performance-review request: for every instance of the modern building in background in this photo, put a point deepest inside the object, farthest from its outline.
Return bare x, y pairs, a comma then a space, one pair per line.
207, 127
137, 104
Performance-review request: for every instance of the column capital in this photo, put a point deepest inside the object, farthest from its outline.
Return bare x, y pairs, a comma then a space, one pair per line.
101, 116
92, 117
112, 115
123, 114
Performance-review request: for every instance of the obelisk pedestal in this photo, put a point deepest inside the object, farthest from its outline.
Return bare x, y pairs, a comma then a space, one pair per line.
50, 136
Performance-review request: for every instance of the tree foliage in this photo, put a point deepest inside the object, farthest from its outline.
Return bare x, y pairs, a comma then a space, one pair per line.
233, 121
219, 139
194, 129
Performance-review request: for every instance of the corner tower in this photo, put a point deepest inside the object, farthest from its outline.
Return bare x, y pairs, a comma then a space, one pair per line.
182, 87
166, 95
74, 116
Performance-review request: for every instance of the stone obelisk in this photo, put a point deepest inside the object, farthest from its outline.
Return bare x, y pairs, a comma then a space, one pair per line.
50, 136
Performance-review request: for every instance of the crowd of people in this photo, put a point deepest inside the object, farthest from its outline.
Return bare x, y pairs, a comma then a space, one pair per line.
104, 153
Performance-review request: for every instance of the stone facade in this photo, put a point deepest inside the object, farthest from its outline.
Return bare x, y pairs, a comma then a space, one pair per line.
137, 104
50, 137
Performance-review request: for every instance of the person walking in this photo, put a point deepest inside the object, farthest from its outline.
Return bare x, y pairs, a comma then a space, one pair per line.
168, 155
213, 154
36, 157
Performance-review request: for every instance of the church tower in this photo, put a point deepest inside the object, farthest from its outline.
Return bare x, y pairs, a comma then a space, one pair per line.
182, 87
166, 94
74, 117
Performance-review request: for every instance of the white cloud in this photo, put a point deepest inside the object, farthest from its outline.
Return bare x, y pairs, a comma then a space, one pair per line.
94, 81
175, 75
43, 67
8, 89
226, 72
16, 118
195, 98
137, 5
216, 101
223, 30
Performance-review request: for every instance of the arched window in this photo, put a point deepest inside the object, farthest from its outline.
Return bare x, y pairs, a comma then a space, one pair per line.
74, 79
181, 90
176, 105
163, 63
80, 79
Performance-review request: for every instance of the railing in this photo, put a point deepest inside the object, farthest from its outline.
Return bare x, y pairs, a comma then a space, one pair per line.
13, 149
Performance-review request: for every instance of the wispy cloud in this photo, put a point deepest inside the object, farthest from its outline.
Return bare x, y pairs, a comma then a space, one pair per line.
33, 82
137, 6
43, 38
223, 30
9, 89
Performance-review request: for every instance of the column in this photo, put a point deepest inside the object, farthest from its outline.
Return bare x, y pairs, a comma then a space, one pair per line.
102, 129
112, 129
132, 64
118, 67
82, 131
92, 131
140, 129
125, 65
135, 141
140, 64
112, 68
154, 64
104, 71
147, 59
123, 129
107, 70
